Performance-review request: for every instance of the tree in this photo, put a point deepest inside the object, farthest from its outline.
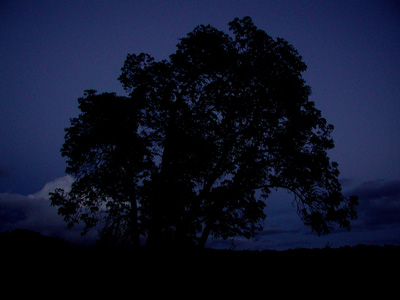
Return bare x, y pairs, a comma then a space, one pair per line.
200, 143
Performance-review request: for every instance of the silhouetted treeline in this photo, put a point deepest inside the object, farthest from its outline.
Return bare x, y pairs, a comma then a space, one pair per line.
29, 241
22, 239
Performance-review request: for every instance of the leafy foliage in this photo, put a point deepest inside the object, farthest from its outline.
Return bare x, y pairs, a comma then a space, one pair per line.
200, 135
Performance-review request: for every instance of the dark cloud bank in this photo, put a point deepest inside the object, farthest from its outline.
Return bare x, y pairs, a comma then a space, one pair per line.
34, 212
378, 219
379, 204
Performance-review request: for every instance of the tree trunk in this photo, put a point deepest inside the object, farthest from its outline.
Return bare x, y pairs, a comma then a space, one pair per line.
204, 236
214, 213
161, 201
134, 226
155, 231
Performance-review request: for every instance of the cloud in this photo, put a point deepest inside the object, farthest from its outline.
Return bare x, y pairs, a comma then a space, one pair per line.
378, 189
63, 183
378, 219
13, 209
379, 203
34, 212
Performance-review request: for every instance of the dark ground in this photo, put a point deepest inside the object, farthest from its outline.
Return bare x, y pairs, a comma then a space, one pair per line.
29, 257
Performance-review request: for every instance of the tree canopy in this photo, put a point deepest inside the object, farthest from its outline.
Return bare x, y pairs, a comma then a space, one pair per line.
199, 143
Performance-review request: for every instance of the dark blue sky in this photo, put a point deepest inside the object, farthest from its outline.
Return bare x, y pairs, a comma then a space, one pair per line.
51, 51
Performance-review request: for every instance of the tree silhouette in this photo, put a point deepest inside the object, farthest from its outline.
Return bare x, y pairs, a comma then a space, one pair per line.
200, 142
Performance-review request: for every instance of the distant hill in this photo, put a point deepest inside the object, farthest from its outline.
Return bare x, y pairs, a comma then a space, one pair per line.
28, 245
22, 239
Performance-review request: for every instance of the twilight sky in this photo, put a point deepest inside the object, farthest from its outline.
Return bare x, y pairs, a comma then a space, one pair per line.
51, 51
